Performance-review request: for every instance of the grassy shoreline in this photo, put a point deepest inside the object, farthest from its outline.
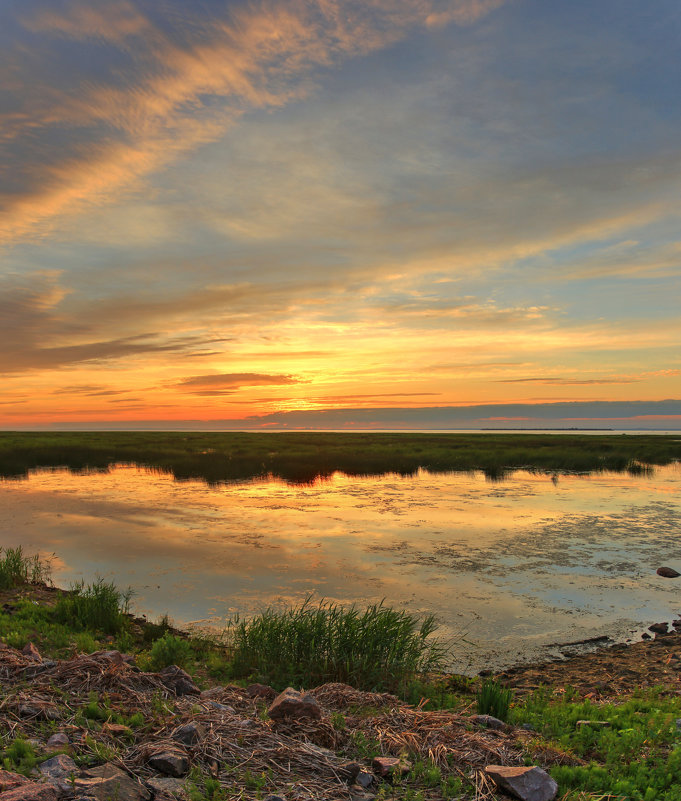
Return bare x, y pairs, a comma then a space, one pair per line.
627, 747
304, 456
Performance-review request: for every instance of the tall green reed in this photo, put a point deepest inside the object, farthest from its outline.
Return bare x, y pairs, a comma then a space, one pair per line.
378, 648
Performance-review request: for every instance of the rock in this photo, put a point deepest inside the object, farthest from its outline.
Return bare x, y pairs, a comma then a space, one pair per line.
189, 734
58, 740
528, 784
178, 681
667, 572
36, 708
32, 791
31, 652
357, 793
364, 779
489, 722
58, 766
172, 761
260, 691
388, 766
107, 781
116, 657
292, 704
220, 707
598, 724
59, 771
659, 628
349, 771
646, 636
9, 780
169, 787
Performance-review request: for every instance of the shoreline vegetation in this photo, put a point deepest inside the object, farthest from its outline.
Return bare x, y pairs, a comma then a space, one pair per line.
302, 457
91, 705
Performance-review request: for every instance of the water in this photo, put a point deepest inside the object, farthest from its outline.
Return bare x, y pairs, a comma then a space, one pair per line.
508, 568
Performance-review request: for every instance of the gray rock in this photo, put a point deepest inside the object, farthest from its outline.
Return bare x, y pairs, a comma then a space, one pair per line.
60, 772
364, 779
106, 782
349, 771
178, 680
189, 734
36, 708
292, 704
357, 793
526, 783
58, 766
489, 722
170, 761
58, 740
220, 707
169, 787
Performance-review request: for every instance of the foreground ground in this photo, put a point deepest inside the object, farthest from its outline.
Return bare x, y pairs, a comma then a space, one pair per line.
603, 725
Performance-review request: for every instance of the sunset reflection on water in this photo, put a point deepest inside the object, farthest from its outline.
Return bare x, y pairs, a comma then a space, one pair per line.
512, 565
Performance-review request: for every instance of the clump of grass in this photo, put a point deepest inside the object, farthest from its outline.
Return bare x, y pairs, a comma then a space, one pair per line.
169, 650
379, 648
154, 631
493, 699
17, 568
19, 756
99, 606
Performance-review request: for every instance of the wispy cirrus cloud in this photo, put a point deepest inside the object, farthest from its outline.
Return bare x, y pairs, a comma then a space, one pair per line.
226, 383
168, 88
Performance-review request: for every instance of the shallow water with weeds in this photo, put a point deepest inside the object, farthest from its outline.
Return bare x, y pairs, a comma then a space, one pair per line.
512, 566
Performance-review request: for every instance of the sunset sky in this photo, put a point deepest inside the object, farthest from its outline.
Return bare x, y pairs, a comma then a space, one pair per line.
367, 213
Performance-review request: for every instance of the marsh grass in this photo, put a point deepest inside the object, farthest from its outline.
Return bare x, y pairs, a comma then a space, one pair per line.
493, 699
99, 606
16, 568
302, 457
378, 648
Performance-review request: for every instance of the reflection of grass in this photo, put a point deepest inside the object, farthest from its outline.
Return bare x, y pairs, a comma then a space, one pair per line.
377, 648
303, 456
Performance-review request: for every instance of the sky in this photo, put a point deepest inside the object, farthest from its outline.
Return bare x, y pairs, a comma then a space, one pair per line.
340, 213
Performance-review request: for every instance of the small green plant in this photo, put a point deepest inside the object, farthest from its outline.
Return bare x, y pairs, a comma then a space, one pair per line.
99, 606
19, 756
94, 710
85, 642
169, 650
135, 720
338, 721
493, 699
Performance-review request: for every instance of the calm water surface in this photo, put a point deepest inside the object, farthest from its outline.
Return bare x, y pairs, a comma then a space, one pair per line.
513, 567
